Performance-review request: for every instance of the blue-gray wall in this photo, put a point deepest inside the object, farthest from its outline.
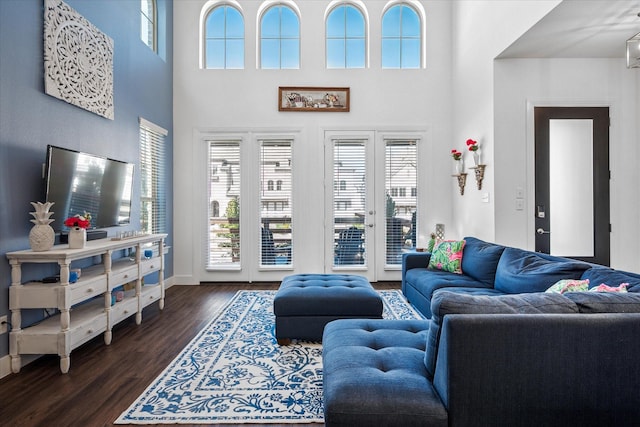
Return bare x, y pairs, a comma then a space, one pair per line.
30, 119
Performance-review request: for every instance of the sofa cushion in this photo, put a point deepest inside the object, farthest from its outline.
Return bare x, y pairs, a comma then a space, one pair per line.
611, 277
521, 271
480, 259
447, 256
446, 302
373, 374
605, 302
420, 283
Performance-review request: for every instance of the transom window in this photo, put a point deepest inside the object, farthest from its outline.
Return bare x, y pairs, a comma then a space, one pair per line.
224, 38
401, 37
346, 38
280, 38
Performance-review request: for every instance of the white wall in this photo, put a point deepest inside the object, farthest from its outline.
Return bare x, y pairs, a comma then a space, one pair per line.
481, 31
219, 100
521, 84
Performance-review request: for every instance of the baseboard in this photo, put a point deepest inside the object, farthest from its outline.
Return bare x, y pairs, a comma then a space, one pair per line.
184, 280
5, 363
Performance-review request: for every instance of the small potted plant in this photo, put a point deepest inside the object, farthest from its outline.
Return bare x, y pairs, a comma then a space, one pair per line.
457, 157
473, 146
78, 225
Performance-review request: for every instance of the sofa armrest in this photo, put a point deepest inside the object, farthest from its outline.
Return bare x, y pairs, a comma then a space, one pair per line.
414, 260
540, 369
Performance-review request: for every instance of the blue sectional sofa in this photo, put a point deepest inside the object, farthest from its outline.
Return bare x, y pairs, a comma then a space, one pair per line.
537, 359
494, 349
492, 269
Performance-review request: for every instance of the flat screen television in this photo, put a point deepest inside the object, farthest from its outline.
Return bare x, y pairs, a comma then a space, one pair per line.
80, 182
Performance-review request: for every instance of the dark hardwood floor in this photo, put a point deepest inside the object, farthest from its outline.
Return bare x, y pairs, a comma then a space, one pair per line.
104, 380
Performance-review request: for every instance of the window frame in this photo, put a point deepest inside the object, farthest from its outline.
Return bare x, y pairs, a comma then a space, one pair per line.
153, 24
360, 7
206, 11
419, 11
264, 9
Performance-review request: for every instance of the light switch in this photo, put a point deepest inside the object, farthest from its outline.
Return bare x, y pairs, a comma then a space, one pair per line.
485, 198
519, 204
519, 193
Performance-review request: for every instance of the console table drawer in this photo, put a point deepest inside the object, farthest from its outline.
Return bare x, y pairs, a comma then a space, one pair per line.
123, 276
121, 310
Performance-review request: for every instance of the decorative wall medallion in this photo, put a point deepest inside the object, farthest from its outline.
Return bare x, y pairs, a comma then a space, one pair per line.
78, 60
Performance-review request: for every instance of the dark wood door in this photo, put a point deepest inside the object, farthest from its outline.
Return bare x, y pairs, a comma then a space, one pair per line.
572, 176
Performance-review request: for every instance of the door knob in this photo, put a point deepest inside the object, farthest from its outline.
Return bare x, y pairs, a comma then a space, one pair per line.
542, 231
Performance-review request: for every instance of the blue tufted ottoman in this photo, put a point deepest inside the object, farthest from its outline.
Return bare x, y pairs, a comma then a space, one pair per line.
305, 303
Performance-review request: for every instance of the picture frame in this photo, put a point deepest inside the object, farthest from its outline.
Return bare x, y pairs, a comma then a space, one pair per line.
320, 99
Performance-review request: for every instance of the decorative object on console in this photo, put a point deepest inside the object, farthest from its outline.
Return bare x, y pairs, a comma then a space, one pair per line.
78, 60
41, 236
78, 231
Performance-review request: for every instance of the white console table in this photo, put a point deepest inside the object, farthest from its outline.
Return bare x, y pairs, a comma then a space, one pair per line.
85, 307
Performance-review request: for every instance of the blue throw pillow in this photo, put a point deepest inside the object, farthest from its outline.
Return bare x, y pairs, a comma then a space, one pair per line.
452, 302
521, 271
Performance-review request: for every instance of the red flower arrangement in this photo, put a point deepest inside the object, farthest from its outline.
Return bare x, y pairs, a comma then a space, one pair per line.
457, 155
473, 145
82, 221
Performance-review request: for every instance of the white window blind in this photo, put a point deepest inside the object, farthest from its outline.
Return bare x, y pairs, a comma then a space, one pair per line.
349, 202
401, 197
224, 203
275, 203
153, 212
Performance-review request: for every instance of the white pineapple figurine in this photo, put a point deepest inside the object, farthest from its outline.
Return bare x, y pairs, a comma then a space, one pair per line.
41, 236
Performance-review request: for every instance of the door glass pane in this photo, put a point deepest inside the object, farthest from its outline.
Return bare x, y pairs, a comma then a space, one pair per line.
349, 192
275, 203
571, 189
224, 203
400, 198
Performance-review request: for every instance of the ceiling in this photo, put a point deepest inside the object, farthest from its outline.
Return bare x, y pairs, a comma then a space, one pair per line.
580, 29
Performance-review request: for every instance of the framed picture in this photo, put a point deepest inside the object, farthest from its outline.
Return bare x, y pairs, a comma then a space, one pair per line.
326, 99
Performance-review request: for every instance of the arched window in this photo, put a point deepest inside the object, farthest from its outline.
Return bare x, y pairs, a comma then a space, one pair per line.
346, 37
148, 18
224, 38
279, 38
401, 37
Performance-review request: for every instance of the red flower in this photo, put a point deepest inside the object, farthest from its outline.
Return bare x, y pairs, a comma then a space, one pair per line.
473, 145
77, 221
456, 154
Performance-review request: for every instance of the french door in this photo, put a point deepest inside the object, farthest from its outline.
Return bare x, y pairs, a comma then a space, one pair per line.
371, 202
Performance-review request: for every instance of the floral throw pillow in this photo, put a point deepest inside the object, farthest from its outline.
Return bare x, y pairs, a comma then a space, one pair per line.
447, 256
569, 285
606, 288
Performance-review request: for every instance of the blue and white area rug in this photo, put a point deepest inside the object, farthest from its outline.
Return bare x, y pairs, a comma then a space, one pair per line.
234, 371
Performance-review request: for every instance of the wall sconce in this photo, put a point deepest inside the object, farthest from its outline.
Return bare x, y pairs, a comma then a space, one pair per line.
462, 181
633, 51
479, 171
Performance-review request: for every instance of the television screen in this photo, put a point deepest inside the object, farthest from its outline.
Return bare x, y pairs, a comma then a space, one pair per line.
79, 182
